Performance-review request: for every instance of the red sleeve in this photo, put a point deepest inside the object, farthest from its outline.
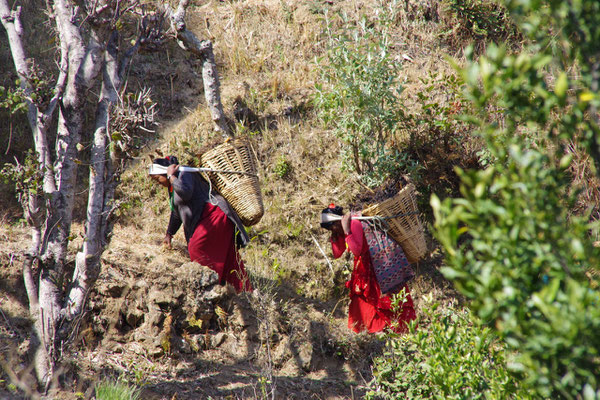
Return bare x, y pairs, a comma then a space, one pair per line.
355, 238
338, 247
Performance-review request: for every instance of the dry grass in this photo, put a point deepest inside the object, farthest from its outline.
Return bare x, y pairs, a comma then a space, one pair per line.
266, 52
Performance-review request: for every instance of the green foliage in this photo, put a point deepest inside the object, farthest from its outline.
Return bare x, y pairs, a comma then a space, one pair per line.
116, 390
12, 99
479, 22
361, 98
27, 177
447, 356
515, 252
282, 167
512, 244
37, 90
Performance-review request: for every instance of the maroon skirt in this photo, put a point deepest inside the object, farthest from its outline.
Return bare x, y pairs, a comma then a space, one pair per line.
213, 245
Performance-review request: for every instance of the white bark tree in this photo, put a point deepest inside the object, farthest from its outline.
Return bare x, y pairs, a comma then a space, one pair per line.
91, 55
203, 49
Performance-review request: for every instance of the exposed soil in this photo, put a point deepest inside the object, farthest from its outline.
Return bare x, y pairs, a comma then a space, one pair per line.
165, 324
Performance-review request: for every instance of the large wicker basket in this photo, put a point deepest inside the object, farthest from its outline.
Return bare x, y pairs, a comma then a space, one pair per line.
242, 191
405, 226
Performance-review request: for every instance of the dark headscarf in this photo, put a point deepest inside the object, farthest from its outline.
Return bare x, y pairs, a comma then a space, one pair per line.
165, 162
332, 209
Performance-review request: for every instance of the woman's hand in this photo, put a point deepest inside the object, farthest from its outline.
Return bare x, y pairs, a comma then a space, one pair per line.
346, 224
167, 241
172, 169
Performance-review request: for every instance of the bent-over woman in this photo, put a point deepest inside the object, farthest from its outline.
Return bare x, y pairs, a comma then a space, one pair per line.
369, 309
212, 229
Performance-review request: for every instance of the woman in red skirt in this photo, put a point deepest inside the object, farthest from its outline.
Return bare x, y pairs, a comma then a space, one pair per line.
369, 309
212, 229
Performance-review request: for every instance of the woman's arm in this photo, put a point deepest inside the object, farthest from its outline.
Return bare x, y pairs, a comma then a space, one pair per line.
354, 235
183, 185
338, 246
174, 224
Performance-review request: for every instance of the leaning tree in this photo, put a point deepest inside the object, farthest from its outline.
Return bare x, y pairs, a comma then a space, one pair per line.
91, 54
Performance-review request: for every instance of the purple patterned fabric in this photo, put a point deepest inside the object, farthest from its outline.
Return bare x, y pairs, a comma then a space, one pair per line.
389, 262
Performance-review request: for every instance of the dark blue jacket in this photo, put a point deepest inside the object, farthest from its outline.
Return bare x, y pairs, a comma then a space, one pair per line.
190, 194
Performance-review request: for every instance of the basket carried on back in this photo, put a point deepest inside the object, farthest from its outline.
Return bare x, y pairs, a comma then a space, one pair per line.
404, 224
242, 191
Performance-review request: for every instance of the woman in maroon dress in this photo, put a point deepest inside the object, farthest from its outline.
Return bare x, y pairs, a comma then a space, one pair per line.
212, 229
369, 309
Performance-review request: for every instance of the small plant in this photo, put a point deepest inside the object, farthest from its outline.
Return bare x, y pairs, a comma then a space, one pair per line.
38, 92
282, 167
116, 390
449, 356
27, 177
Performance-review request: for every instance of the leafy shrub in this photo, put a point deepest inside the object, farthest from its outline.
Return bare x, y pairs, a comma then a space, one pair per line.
523, 266
513, 245
477, 22
361, 98
116, 390
449, 356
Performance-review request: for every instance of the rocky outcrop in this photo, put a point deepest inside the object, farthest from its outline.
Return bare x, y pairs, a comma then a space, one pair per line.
179, 310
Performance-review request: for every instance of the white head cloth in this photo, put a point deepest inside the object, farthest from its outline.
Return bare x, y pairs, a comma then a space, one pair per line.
156, 169
329, 217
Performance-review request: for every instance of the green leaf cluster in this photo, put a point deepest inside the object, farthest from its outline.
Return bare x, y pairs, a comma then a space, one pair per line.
514, 250
513, 245
448, 356
13, 100
28, 176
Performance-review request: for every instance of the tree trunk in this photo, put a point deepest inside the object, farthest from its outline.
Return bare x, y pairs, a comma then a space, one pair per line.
101, 186
204, 50
53, 310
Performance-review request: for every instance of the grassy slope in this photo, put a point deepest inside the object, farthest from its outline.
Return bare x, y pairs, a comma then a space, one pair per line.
266, 53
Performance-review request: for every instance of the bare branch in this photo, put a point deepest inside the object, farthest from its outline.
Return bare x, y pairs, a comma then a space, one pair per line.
203, 49
30, 286
179, 15
12, 25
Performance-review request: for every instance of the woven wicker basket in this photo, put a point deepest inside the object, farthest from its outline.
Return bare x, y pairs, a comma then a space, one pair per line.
407, 230
240, 190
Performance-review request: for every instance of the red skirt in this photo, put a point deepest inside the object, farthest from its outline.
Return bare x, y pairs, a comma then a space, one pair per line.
366, 313
212, 245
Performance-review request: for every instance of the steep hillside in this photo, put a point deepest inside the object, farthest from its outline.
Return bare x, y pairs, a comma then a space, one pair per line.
161, 323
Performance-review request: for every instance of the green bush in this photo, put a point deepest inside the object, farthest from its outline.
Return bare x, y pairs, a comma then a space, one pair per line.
116, 390
448, 356
360, 99
513, 250
477, 22
513, 245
